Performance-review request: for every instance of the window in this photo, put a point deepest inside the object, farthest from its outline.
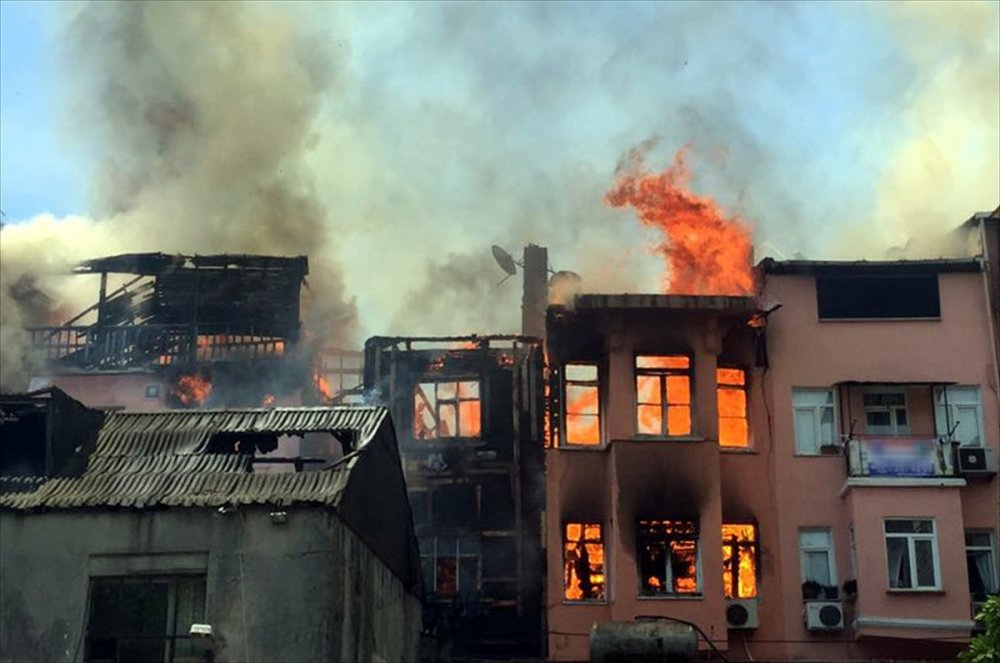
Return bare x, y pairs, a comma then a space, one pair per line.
583, 562
583, 410
451, 566
815, 420
731, 394
885, 413
144, 618
878, 296
958, 411
739, 561
980, 557
446, 409
911, 552
668, 557
663, 394
816, 558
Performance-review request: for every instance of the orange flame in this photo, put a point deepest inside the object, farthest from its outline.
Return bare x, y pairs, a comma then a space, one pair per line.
267, 401
323, 386
192, 389
705, 251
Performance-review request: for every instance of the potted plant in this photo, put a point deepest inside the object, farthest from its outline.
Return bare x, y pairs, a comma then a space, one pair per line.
850, 588
831, 592
811, 590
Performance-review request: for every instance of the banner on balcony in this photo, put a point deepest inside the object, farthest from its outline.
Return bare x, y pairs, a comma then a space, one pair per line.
901, 456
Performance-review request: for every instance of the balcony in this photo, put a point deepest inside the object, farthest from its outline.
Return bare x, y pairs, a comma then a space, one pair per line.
905, 457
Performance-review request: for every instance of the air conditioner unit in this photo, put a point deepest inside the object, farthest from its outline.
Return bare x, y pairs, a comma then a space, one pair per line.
741, 613
976, 461
824, 616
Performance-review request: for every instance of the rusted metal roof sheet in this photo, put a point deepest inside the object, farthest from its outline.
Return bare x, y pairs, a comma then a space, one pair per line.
149, 459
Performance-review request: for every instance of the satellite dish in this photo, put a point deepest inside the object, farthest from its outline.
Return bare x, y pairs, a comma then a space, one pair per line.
505, 260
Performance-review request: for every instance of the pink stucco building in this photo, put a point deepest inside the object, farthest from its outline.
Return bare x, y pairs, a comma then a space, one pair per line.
808, 474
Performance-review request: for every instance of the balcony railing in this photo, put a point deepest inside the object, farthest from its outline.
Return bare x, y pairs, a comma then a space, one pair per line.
900, 457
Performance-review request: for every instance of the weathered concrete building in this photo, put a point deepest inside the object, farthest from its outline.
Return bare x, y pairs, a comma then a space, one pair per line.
117, 536
468, 413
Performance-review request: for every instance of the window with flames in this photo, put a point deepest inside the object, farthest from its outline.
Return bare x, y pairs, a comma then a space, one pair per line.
582, 398
739, 561
447, 410
663, 394
583, 562
731, 395
668, 557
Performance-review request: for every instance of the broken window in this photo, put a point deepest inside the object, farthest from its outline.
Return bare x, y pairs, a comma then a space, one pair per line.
668, 557
144, 618
663, 394
739, 561
583, 411
446, 409
731, 394
583, 562
451, 566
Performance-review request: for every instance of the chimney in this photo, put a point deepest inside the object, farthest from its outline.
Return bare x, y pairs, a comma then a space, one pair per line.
536, 290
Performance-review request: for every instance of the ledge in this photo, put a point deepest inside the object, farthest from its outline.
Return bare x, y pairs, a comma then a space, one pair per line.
901, 482
903, 622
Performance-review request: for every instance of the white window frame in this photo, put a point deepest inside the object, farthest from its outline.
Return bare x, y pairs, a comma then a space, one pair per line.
990, 549
831, 559
943, 416
911, 539
817, 410
891, 409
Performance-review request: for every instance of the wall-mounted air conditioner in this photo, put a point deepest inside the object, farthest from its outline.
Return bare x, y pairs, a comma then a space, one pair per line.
824, 616
976, 461
741, 613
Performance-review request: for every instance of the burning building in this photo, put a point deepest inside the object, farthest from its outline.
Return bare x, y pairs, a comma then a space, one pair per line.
155, 536
190, 331
808, 472
468, 414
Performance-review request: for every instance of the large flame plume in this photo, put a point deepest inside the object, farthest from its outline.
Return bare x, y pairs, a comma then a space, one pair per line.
705, 250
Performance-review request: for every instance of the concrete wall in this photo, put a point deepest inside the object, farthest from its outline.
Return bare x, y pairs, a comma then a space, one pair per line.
308, 589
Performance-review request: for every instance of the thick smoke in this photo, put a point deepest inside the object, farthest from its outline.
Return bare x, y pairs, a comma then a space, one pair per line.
394, 143
199, 116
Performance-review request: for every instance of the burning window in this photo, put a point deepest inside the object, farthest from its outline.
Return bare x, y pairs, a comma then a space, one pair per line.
663, 394
451, 567
446, 409
583, 562
731, 393
668, 557
583, 411
739, 561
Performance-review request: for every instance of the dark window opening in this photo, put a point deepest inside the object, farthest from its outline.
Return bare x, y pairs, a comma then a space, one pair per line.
455, 505
851, 297
144, 618
22, 447
668, 557
451, 567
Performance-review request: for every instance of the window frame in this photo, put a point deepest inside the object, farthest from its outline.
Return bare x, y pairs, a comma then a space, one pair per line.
457, 401
431, 583
669, 580
829, 549
945, 414
172, 581
605, 565
911, 538
891, 409
564, 413
754, 545
745, 390
662, 374
990, 549
818, 418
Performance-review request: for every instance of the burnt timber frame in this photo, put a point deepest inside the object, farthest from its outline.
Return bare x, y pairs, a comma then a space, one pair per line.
489, 489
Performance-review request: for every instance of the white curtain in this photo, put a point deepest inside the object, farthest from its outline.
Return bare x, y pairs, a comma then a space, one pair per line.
898, 562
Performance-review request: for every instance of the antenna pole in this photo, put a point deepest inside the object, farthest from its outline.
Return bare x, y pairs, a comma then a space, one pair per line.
536, 290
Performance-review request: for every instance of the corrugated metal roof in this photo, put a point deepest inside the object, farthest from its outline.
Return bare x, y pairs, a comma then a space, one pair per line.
146, 459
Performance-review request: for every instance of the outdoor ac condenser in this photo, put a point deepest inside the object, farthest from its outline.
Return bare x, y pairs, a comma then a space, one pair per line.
741, 613
976, 460
824, 616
